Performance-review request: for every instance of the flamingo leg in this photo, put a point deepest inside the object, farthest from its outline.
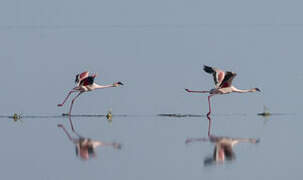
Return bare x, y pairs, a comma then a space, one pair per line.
71, 105
189, 140
209, 126
70, 120
191, 91
70, 92
70, 110
209, 106
67, 134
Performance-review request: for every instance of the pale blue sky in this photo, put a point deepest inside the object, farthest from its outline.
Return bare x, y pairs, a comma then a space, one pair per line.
156, 47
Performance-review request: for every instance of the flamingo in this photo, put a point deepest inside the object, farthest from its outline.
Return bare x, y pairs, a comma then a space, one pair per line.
223, 84
223, 145
85, 83
85, 147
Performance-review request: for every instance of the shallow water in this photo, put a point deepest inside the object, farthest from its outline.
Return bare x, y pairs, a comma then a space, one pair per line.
153, 147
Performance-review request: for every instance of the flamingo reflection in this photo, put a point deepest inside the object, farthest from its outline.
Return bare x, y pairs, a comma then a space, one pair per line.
223, 149
85, 147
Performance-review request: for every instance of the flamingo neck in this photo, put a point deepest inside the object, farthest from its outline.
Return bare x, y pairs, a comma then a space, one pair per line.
97, 86
243, 90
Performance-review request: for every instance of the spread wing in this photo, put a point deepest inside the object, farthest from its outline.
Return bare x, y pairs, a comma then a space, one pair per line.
228, 78
81, 76
217, 74
87, 81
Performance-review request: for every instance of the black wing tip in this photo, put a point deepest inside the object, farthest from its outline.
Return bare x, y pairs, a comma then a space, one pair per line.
87, 81
208, 69
77, 78
258, 140
229, 73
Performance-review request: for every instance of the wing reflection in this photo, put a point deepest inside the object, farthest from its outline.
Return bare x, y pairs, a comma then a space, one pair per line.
85, 147
223, 149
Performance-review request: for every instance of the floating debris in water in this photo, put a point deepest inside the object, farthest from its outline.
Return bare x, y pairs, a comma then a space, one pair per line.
16, 117
64, 114
265, 112
109, 115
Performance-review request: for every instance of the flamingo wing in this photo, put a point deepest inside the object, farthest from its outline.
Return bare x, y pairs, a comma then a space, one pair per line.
87, 81
228, 78
217, 74
84, 75
81, 76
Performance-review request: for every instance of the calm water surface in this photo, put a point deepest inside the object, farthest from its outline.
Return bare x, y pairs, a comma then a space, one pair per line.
153, 147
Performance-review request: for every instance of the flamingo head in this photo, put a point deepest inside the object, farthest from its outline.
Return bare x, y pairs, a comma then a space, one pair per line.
257, 89
117, 145
118, 84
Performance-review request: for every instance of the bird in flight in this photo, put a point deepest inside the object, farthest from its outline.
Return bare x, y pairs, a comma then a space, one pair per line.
223, 84
85, 83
